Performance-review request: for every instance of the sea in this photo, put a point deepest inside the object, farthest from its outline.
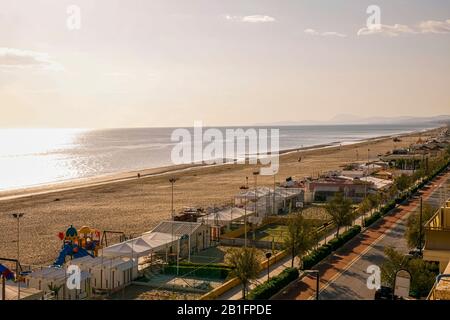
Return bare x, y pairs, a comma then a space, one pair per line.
35, 157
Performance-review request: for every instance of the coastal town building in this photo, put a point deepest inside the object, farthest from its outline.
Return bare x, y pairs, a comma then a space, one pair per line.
324, 189
437, 237
441, 289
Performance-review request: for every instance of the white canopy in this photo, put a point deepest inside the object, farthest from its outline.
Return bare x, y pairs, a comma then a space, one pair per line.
141, 246
225, 216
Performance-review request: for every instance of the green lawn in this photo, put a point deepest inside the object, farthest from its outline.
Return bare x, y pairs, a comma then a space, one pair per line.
271, 232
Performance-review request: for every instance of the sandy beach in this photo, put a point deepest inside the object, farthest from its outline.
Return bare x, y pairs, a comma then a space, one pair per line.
126, 203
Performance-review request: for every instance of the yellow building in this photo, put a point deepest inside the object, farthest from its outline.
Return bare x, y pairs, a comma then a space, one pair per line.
437, 237
441, 289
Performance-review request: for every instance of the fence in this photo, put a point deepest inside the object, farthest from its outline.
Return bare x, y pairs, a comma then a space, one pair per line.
260, 244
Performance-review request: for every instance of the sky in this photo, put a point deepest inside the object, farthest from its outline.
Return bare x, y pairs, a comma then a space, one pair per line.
144, 63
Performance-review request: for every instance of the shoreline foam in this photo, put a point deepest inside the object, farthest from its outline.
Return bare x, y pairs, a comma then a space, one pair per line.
66, 185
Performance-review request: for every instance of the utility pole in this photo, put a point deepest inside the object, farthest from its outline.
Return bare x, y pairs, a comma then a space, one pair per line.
172, 182
255, 174
317, 274
17, 216
273, 203
420, 227
245, 220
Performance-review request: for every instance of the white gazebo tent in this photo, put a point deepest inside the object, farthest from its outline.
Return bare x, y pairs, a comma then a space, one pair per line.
248, 198
142, 246
225, 217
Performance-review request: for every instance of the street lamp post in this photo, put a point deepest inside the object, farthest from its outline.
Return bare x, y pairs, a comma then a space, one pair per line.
274, 186
420, 227
316, 273
255, 174
268, 255
172, 182
17, 216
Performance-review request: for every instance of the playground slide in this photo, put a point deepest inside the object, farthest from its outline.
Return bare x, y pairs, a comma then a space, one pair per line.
81, 253
68, 250
4, 271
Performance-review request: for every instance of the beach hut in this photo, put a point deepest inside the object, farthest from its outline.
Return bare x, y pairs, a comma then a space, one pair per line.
26, 293
108, 274
192, 236
48, 278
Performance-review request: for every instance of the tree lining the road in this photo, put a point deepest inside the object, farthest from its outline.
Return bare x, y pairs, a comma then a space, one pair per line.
245, 264
413, 226
300, 237
341, 211
423, 273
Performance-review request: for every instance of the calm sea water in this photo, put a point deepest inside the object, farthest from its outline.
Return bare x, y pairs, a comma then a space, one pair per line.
30, 157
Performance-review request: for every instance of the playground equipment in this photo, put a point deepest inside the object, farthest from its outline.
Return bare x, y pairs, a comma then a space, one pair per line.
121, 235
6, 273
78, 243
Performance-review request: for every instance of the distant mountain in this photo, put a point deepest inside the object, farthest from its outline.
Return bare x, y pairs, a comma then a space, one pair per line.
353, 119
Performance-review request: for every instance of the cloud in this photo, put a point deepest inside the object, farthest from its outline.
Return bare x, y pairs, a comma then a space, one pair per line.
390, 31
313, 32
251, 19
430, 26
17, 58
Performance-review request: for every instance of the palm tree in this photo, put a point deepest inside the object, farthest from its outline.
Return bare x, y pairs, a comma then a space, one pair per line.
300, 236
245, 265
55, 290
341, 211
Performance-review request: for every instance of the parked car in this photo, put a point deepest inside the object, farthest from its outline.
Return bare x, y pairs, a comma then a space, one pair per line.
384, 293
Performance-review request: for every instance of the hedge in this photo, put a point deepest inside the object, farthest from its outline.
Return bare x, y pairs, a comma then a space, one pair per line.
374, 217
201, 265
213, 272
315, 256
267, 289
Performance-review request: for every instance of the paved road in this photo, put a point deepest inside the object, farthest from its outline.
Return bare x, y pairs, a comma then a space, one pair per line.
352, 283
343, 275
